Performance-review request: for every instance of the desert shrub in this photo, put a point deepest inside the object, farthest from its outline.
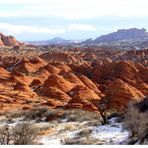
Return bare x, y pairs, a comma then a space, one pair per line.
69, 141
77, 141
36, 113
84, 133
93, 123
45, 128
53, 112
136, 122
5, 135
24, 133
69, 127
15, 114
21, 134
143, 105
80, 115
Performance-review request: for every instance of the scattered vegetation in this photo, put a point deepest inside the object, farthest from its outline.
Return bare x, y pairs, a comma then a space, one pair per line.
69, 127
143, 105
102, 105
36, 113
21, 134
80, 115
14, 114
83, 141
136, 122
84, 133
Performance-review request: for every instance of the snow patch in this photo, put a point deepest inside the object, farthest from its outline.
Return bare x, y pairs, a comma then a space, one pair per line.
111, 133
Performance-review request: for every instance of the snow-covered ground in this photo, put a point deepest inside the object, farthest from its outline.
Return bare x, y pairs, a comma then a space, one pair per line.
111, 133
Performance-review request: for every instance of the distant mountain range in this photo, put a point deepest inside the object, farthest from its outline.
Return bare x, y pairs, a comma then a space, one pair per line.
56, 40
120, 35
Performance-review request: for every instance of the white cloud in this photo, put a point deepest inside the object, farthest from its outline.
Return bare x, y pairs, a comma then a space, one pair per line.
8, 14
77, 9
81, 27
20, 29
23, 1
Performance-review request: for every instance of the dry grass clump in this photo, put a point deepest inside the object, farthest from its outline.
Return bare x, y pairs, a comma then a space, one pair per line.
80, 115
36, 113
21, 134
15, 114
69, 127
136, 122
84, 133
81, 141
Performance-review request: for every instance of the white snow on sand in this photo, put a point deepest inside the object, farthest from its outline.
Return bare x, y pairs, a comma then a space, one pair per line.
111, 133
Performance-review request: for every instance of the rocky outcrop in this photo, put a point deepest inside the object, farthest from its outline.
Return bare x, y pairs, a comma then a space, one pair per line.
59, 82
52, 69
119, 93
4, 72
30, 66
91, 85
1, 42
8, 40
76, 82
72, 78
83, 93
63, 57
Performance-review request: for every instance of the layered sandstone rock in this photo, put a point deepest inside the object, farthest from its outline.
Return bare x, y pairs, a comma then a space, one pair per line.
119, 93
59, 82
52, 69
4, 72
1, 42
8, 40
30, 66
20, 77
55, 97
63, 57
72, 78
83, 97
87, 82
125, 70
76, 82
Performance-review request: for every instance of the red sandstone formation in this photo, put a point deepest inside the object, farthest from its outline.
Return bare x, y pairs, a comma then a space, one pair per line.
74, 80
1, 42
119, 93
59, 82
8, 41
30, 66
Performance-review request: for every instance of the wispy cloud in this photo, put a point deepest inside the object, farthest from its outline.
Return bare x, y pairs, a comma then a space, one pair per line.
23, 1
77, 9
20, 29
81, 27
8, 14
70, 18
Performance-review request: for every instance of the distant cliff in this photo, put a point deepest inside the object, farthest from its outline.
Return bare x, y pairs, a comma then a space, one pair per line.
122, 34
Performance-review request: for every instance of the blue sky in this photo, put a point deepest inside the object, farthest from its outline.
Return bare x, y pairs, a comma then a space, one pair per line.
70, 19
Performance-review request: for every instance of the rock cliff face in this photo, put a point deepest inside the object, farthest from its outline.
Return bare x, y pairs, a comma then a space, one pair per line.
122, 34
75, 80
1, 42
8, 40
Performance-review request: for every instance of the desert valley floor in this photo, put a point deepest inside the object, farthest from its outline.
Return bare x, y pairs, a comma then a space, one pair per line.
59, 90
